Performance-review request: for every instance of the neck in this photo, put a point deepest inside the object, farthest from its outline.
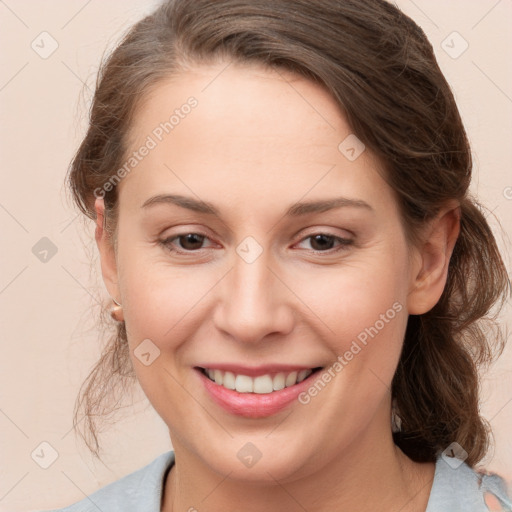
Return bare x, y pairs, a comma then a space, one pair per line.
374, 475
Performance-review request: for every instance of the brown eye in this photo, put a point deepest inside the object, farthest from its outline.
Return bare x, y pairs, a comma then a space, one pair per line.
191, 241
324, 242
187, 242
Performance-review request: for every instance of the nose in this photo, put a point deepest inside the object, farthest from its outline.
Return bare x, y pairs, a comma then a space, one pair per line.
255, 302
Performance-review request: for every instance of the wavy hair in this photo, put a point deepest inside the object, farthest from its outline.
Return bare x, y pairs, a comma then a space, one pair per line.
381, 70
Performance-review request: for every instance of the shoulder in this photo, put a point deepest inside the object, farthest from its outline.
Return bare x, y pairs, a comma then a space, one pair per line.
458, 487
140, 490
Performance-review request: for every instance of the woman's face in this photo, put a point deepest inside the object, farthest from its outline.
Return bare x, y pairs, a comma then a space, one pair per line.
268, 284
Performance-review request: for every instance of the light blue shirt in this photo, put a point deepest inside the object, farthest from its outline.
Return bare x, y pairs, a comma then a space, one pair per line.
453, 490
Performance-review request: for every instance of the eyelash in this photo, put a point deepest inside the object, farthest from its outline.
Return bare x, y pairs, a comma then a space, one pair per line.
343, 243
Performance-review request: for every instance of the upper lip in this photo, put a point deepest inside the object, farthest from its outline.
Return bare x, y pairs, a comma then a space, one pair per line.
255, 371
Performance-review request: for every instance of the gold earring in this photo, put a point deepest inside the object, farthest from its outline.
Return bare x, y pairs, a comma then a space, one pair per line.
116, 310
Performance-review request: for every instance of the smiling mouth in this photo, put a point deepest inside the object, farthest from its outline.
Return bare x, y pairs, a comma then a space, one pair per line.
262, 384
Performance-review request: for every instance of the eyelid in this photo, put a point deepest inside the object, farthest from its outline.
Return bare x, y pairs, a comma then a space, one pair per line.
325, 231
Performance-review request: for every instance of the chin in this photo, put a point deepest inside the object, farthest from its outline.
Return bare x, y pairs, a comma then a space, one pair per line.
258, 461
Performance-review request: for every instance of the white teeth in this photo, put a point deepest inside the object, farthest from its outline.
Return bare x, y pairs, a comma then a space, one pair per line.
303, 374
244, 384
278, 382
217, 376
229, 380
291, 379
262, 384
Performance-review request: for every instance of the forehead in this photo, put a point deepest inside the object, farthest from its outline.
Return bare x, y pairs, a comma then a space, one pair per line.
244, 102
245, 129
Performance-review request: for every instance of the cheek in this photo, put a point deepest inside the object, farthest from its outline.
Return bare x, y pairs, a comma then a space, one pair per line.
352, 298
362, 316
162, 300
364, 310
162, 310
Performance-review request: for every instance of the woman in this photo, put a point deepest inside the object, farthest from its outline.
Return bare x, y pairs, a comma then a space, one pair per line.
298, 272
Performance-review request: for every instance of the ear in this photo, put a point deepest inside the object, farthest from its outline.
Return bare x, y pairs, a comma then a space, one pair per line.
107, 252
431, 269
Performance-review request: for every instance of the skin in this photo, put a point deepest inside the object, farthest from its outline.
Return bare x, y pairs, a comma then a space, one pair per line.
258, 142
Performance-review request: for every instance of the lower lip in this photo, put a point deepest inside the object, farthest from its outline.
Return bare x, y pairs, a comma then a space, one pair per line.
254, 405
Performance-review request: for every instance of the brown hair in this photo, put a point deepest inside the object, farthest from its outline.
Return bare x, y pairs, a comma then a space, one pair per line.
380, 68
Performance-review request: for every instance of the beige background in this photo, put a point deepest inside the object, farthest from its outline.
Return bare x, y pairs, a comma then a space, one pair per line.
48, 310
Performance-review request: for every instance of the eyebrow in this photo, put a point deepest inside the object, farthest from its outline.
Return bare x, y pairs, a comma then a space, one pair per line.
295, 210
